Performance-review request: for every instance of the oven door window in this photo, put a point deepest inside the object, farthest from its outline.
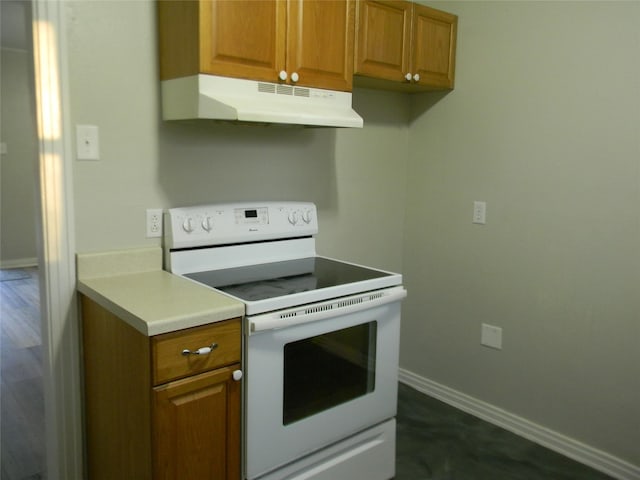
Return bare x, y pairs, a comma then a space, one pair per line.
327, 370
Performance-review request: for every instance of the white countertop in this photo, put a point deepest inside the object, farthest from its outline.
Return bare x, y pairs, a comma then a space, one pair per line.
132, 285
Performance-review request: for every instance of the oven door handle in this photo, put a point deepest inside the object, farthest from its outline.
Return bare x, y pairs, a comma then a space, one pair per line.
323, 310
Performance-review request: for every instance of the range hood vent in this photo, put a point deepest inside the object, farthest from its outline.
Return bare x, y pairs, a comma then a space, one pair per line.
233, 99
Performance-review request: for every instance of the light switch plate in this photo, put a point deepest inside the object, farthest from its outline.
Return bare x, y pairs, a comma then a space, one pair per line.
87, 143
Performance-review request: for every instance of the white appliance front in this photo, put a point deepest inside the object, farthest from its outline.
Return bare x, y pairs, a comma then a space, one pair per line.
310, 385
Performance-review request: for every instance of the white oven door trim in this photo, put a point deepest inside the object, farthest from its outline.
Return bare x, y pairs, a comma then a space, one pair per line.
323, 310
270, 444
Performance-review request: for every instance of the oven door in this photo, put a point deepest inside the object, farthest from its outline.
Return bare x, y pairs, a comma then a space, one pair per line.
322, 373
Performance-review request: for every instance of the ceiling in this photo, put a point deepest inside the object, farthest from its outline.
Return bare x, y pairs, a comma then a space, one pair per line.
15, 16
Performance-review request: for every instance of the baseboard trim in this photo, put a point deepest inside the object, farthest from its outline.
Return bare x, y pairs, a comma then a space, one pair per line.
551, 439
19, 263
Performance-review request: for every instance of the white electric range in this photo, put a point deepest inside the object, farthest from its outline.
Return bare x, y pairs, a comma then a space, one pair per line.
320, 336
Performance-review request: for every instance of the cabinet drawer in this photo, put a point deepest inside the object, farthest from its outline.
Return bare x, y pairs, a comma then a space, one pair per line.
169, 363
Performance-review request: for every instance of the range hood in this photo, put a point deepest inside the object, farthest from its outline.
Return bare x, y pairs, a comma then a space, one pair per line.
233, 99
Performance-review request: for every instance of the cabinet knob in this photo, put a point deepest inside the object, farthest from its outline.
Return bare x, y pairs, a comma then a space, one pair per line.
416, 77
237, 375
295, 77
200, 351
408, 77
282, 75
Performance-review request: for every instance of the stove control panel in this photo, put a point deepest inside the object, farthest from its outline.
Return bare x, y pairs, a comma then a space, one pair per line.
234, 223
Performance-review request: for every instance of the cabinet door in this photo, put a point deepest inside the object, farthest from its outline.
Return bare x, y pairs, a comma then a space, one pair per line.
197, 427
434, 46
384, 38
243, 38
320, 43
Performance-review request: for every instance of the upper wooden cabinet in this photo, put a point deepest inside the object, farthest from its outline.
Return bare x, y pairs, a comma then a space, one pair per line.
320, 42
299, 42
404, 46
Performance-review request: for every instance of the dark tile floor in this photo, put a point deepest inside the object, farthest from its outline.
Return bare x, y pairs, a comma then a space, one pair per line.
437, 441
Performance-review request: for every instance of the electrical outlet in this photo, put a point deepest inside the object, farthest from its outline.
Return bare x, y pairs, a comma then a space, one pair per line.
154, 222
491, 336
480, 212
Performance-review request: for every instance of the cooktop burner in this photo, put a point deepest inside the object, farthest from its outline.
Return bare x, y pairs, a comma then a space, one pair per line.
277, 279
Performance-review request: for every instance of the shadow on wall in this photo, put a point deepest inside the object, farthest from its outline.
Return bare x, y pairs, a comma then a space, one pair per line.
422, 102
385, 108
207, 161
203, 161
394, 108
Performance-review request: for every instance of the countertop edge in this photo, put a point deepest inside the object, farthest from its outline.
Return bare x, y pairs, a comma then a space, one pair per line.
132, 285
151, 327
133, 320
195, 320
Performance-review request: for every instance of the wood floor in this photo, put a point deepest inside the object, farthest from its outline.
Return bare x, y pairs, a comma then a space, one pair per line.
22, 435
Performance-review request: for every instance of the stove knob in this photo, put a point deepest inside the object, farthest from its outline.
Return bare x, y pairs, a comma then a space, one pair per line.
206, 224
306, 216
293, 218
187, 226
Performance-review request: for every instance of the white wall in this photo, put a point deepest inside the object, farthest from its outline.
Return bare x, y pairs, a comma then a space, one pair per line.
17, 166
356, 177
544, 125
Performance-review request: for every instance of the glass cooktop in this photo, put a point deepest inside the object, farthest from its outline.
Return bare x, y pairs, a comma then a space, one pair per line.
277, 279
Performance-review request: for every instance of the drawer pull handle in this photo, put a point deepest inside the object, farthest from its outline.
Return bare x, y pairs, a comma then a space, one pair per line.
200, 351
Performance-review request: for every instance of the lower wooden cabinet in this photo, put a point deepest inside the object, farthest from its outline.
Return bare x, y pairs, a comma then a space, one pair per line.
195, 427
152, 412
